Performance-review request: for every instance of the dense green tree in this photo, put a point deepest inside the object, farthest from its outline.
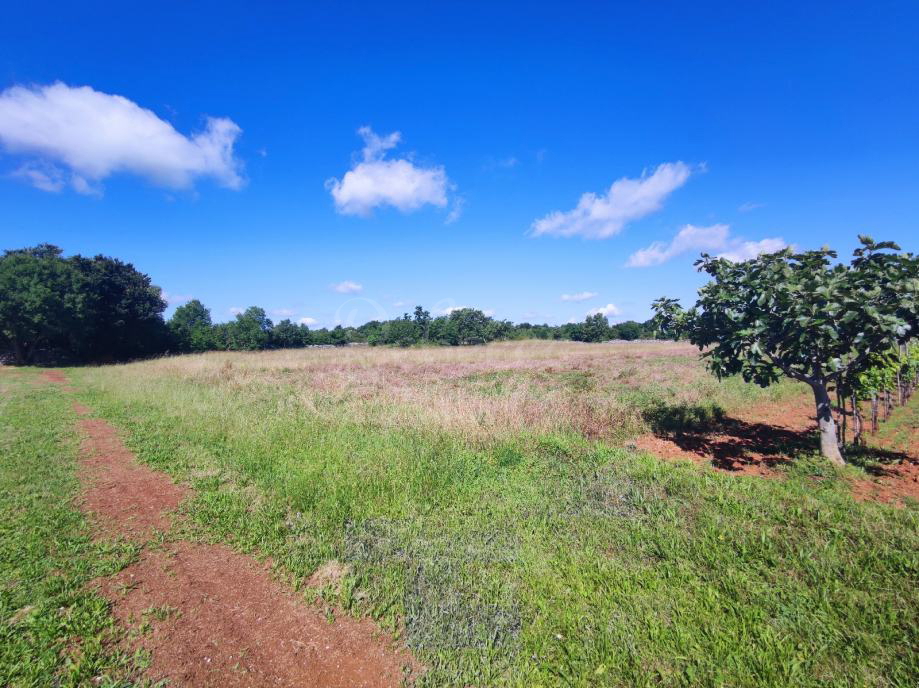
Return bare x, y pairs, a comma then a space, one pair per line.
250, 331
40, 300
422, 320
628, 330
121, 311
595, 328
191, 327
287, 335
803, 316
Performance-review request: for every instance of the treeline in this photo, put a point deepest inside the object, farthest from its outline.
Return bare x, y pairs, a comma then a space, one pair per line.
56, 309
192, 330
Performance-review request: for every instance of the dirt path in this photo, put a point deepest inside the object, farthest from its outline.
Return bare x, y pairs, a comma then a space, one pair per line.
207, 615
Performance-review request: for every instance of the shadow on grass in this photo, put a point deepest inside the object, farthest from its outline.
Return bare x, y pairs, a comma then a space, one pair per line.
874, 460
705, 430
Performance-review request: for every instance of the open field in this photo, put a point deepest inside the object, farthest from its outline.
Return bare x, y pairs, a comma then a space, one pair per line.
486, 505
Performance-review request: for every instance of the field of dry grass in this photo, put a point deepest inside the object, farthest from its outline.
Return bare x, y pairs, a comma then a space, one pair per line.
597, 390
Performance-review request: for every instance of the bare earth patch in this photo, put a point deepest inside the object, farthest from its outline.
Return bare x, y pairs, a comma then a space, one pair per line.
747, 442
126, 499
207, 615
756, 440
215, 618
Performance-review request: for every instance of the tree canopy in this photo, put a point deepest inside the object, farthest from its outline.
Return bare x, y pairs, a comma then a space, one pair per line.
801, 315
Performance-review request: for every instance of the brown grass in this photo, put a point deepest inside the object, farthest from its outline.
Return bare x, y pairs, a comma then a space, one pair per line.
598, 390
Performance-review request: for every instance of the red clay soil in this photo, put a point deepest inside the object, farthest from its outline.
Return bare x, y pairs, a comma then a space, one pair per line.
126, 499
219, 620
53, 376
207, 615
755, 440
748, 442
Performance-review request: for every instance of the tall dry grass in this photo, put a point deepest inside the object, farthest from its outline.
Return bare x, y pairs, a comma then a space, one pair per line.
483, 392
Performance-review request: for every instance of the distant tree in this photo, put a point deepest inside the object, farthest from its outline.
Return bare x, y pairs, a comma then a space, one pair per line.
422, 320
250, 331
595, 328
338, 336
40, 300
628, 330
803, 316
403, 332
287, 335
470, 326
191, 327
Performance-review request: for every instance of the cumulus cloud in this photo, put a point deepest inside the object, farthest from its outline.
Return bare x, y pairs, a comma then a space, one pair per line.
80, 136
579, 296
740, 251
376, 181
307, 321
712, 239
602, 216
608, 310
348, 287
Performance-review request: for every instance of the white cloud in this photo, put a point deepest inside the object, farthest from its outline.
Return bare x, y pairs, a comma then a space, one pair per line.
747, 207
740, 251
579, 296
600, 217
487, 312
236, 310
307, 321
176, 299
347, 287
608, 310
711, 239
689, 238
282, 312
81, 136
456, 211
376, 181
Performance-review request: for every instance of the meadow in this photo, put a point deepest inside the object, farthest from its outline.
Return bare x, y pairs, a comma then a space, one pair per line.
488, 507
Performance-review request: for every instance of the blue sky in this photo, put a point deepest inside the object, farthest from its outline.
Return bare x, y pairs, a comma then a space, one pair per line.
544, 149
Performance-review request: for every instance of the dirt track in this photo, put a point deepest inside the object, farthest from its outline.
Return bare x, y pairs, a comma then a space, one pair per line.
207, 615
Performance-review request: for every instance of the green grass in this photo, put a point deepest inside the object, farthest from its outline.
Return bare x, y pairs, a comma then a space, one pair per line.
54, 630
542, 559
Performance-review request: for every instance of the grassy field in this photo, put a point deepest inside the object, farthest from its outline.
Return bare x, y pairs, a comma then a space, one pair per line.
53, 630
488, 510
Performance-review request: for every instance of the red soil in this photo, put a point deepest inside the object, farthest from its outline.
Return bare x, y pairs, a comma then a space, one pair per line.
755, 440
126, 499
227, 624
207, 615
53, 376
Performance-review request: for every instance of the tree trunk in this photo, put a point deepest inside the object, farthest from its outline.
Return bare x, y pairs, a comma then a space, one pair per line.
829, 446
874, 412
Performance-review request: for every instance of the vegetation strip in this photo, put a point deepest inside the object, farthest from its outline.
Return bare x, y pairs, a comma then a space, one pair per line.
516, 557
204, 613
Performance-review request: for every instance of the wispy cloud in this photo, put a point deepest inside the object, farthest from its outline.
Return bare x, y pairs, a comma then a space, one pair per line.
376, 181
602, 216
236, 310
307, 321
176, 299
579, 296
283, 312
80, 136
348, 287
712, 239
747, 207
